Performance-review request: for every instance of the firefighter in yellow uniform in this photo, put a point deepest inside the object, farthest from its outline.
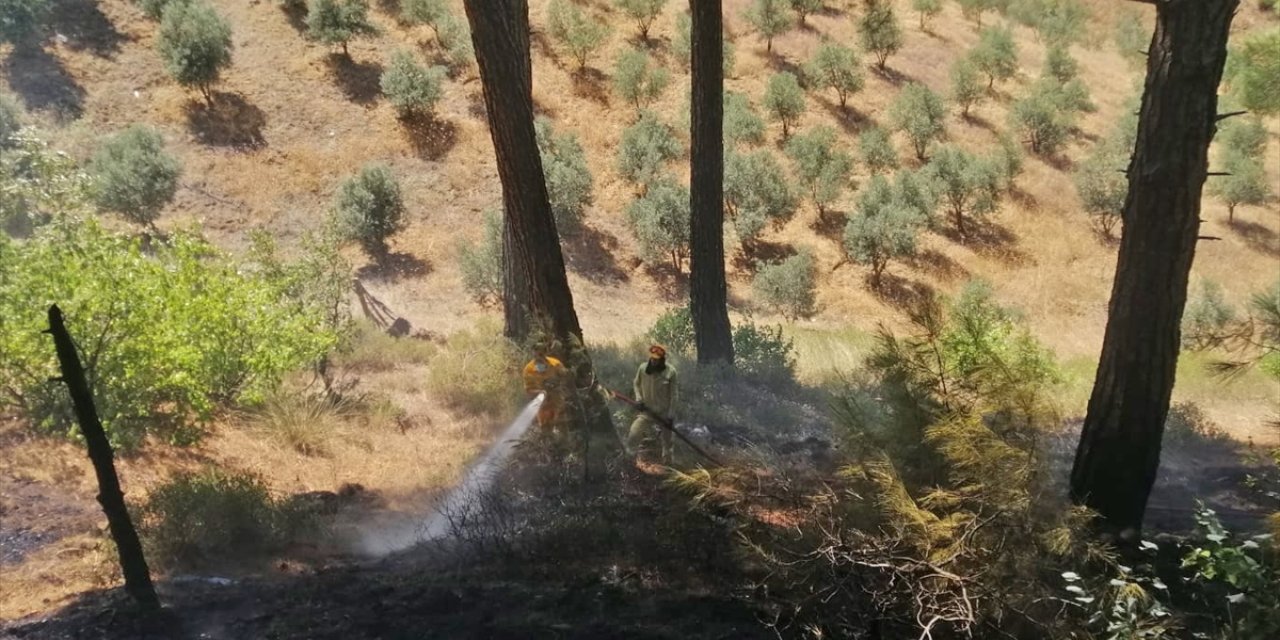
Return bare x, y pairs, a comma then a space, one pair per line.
545, 374
655, 392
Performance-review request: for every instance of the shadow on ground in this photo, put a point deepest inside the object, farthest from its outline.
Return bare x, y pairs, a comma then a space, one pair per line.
40, 80
228, 121
360, 82
589, 252
430, 136
85, 28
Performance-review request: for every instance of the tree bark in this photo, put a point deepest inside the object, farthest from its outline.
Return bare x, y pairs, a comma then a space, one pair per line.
137, 576
515, 289
708, 293
500, 36
1119, 451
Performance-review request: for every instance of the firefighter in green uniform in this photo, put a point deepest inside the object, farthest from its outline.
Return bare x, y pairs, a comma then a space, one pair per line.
655, 392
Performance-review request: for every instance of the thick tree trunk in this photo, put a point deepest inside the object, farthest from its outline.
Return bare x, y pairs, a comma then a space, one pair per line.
1119, 452
500, 36
708, 296
515, 289
137, 576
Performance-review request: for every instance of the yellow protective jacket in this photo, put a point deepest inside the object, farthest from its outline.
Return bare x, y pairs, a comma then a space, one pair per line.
535, 380
657, 390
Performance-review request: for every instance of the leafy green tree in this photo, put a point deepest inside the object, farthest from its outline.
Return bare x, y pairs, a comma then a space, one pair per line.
1008, 161
966, 85
645, 149
1102, 186
1252, 69
637, 79
1207, 318
973, 9
789, 287
339, 21
770, 19
21, 19
880, 33
996, 55
660, 222
928, 10
10, 121
643, 12
195, 44
569, 181
1059, 65
969, 186
1042, 119
803, 8
741, 124
433, 13
454, 36
682, 45
1246, 182
822, 167
756, 193
577, 33
481, 263
877, 150
835, 67
154, 9
784, 100
914, 191
1057, 22
412, 88
133, 176
882, 229
1132, 37
1246, 136
919, 113
370, 209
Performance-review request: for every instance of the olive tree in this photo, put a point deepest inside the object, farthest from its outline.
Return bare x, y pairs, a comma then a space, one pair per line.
880, 33
788, 287
821, 166
682, 45
643, 12
411, 87
966, 85
1042, 118
339, 21
928, 10
756, 193
741, 124
969, 186
134, 176
784, 100
995, 55
1252, 69
769, 18
919, 113
195, 44
637, 79
1245, 182
882, 228
645, 149
660, 221
569, 181
1101, 185
877, 150
835, 67
803, 8
481, 262
370, 209
577, 33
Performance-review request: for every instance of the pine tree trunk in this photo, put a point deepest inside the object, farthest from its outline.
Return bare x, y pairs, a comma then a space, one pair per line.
500, 36
515, 289
708, 295
137, 576
1119, 451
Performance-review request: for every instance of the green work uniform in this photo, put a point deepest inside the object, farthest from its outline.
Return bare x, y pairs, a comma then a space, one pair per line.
658, 393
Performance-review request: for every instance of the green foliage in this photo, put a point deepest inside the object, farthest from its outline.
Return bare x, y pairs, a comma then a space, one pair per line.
880, 33
134, 176
195, 44
645, 149
644, 12
1008, 160
481, 263
966, 85
821, 166
784, 100
475, 373
338, 21
1247, 571
878, 153
973, 9
741, 124
429, 12
637, 79
928, 10
1059, 65
412, 88
1246, 184
198, 519
455, 36
1207, 318
914, 191
1057, 22
21, 19
803, 8
995, 55
1132, 37
884, 228
674, 330
919, 113
969, 186
756, 193
764, 354
38, 185
682, 45
788, 287
170, 332
1252, 68
1245, 135
1042, 118
577, 33
154, 9
660, 222
769, 18
370, 209
10, 121
835, 67
1102, 186
569, 182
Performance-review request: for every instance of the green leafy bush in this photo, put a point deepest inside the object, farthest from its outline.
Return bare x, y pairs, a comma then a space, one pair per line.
996, 55
21, 19
880, 33
969, 186
454, 36
973, 9
756, 193
1246, 184
784, 100
835, 67
1057, 22
370, 209
637, 79
195, 44
1102, 186
39, 185
741, 124
643, 12
884, 228
412, 88
10, 121
1043, 120
660, 222
1132, 37
966, 85
133, 176
1207, 317
764, 354
919, 113
154, 9
822, 167
339, 21
674, 330
1243, 135
433, 13
788, 287
569, 182
481, 263
1059, 65
645, 149
877, 150
769, 18
474, 373
928, 10
1244, 570
578, 34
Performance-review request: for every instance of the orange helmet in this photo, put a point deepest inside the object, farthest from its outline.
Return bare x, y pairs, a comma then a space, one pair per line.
657, 351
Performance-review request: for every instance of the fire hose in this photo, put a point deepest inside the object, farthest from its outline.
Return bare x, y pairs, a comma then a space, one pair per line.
669, 425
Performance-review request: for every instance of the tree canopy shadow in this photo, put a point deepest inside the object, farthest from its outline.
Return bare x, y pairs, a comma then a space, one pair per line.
590, 252
899, 292
779, 64
391, 7
830, 225
761, 251
297, 16
978, 121
230, 121
1256, 236
41, 82
892, 76
360, 82
990, 239
674, 285
850, 119
591, 84
430, 137
939, 265
397, 265
86, 27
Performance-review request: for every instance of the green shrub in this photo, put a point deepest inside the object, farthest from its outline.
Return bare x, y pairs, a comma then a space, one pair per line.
154, 9
784, 100
455, 37
643, 12
741, 124
884, 228
1008, 160
338, 21
1207, 317
821, 166
1059, 65
996, 55
835, 67
481, 263
10, 121
880, 33
803, 8
474, 373
1252, 68
39, 185
973, 9
969, 186
412, 88
1057, 22
928, 10
21, 19
133, 176
569, 182
201, 519
578, 34
1102, 186
788, 287
876, 148
756, 193
370, 209
1132, 37
195, 44
966, 85
1243, 569
674, 330
432, 13
637, 79
660, 222
769, 18
1243, 135
645, 149
1042, 119
764, 354
1246, 184
919, 113
915, 191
